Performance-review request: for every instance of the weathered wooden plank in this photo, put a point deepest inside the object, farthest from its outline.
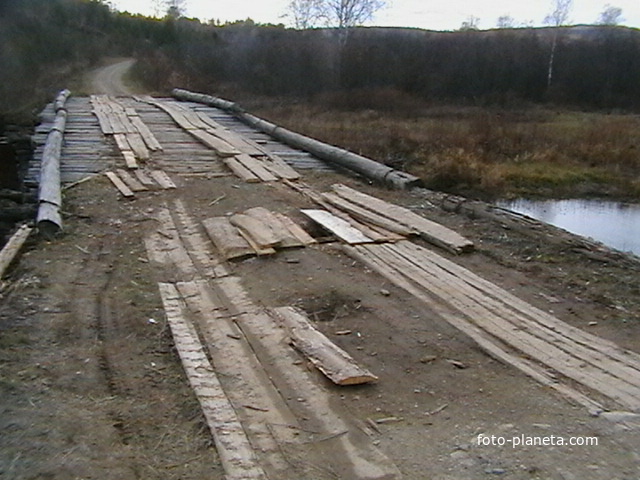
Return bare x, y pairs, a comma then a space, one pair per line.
227, 238
240, 170
144, 179
255, 229
296, 230
330, 359
148, 136
163, 179
431, 231
129, 159
13, 246
119, 184
279, 230
133, 184
492, 346
279, 167
121, 141
256, 167
341, 228
235, 451
221, 147
138, 146
367, 215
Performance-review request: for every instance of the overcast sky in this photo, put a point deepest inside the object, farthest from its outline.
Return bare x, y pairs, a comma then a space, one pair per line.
433, 15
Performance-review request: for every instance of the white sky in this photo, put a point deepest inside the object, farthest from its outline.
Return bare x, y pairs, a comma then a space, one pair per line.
433, 15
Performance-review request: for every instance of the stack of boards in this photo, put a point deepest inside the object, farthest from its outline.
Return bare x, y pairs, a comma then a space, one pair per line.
257, 231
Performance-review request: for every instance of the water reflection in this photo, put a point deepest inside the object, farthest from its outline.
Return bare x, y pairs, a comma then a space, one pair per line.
612, 223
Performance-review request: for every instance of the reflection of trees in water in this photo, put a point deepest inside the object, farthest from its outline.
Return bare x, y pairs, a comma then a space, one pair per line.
615, 224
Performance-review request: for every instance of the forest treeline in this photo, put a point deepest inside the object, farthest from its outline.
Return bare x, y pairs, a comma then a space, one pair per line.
46, 43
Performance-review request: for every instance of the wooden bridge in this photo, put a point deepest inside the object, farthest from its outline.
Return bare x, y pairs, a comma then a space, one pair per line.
236, 351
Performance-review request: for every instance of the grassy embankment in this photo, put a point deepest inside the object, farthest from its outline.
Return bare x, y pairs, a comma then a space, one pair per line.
482, 152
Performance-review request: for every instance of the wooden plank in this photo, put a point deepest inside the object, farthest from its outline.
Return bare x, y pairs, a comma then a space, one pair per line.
119, 184
240, 170
330, 359
367, 215
238, 141
431, 231
144, 179
255, 229
280, 231
163, 179
148, 137
491, 345
221, 147
296, 230
226, 238
129, 159
12, 247
341, 228
121, 142
138, 146
133, 184
236, 453
256, 167
279, 167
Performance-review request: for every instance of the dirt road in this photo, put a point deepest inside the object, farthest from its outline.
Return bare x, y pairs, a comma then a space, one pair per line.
92, 385
110, 79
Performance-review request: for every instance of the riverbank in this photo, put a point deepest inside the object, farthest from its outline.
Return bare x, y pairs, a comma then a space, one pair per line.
488, 153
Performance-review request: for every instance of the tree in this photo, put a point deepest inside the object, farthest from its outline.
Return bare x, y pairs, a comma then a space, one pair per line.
610, 16
348, 13
176, 8
506, 21
304, 13
559, 16
471, 23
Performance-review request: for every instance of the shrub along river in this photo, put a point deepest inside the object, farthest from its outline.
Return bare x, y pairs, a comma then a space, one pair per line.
613, 223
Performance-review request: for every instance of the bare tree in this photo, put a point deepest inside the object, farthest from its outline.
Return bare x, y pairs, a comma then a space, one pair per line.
610, 16
175, 8
304, 13
471, 23
348, 13
559, 16
506, 21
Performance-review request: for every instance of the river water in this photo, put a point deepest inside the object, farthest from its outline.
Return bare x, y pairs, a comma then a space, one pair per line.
613, 223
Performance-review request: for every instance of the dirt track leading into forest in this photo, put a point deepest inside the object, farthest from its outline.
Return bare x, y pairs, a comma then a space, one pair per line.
92, 386
110, 80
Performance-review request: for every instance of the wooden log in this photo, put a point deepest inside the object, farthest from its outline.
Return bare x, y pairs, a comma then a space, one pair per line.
256, 167
226, 238
341, 228
365, 166
240, 170
431, 231
330, 359
119, 184
12, 247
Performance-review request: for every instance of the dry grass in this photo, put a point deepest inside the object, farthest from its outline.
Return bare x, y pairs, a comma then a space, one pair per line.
485, 152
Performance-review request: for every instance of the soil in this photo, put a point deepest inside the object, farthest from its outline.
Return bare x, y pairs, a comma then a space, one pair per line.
92, 386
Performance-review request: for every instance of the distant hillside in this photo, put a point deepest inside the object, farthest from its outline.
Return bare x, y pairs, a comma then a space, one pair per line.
44, 44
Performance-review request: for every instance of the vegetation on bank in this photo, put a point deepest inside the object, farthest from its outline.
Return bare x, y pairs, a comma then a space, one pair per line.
382, 92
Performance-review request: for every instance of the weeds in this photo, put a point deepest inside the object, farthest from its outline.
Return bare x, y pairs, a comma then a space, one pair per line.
485, 152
